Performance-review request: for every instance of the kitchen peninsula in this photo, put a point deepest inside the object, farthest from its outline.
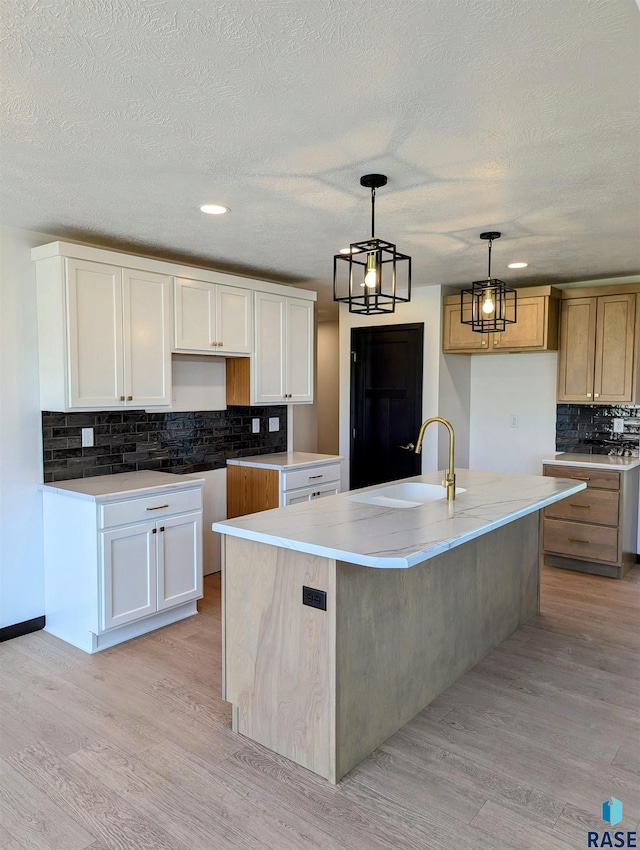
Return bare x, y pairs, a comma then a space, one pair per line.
343, 618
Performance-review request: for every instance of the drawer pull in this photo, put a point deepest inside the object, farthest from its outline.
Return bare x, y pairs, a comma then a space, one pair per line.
576, 505
578, 540
315, 476
158, 508
582, 477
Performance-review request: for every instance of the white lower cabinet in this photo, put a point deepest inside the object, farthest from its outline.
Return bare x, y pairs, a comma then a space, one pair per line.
115, 570
149, 567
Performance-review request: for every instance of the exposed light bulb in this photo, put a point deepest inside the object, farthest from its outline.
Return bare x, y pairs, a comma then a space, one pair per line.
371, 276
488, 305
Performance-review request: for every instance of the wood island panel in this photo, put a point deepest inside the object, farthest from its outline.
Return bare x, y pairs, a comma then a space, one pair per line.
279, 656
325, 688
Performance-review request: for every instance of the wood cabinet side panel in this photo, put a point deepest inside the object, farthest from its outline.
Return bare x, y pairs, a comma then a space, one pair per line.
238, 376
250, 489
279, 653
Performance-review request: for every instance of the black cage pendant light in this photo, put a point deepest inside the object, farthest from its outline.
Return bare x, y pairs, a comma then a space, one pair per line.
371, 276
490, 305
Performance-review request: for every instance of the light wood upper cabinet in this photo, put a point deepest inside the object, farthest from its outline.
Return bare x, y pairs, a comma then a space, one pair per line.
104, 336
212, 318
599, 348
457, 337
535, 329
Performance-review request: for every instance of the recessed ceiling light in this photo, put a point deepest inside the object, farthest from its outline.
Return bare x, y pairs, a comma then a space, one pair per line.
214, 209
518, 265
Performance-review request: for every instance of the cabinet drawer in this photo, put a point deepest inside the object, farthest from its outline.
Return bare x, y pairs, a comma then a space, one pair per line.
150, 507
310, 476
605, 479
309, 494
596, 506
581, 540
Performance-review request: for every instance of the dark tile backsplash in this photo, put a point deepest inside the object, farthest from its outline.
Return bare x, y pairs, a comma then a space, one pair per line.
168, 442
588, 428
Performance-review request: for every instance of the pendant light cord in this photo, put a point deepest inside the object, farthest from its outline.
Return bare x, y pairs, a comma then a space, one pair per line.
489, 269
373, 213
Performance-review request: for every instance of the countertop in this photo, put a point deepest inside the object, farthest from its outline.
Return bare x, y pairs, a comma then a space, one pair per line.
283, 460
619, 464
106, 488
375, 536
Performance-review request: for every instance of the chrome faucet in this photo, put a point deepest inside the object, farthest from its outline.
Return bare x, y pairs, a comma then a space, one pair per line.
450, 476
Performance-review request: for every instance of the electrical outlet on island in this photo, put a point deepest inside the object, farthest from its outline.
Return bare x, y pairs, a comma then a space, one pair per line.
274, 423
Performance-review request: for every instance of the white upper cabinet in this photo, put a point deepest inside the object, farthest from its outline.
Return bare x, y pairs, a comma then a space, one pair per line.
212, 318
104, 336
299, 348
108, 323
147, 338
283, 360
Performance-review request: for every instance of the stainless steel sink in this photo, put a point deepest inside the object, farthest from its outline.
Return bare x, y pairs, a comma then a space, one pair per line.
407, 495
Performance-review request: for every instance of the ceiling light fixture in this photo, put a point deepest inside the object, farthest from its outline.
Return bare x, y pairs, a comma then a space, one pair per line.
490, 304
518, 265
214, 209
371, 276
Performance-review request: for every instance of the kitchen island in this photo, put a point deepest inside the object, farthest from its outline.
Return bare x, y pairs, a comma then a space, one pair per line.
343, 618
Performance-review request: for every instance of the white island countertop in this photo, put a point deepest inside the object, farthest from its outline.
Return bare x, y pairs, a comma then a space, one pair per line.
619, 464
283, 460
383, 537
106, 488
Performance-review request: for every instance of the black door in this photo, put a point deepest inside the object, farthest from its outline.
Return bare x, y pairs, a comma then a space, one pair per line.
386, 402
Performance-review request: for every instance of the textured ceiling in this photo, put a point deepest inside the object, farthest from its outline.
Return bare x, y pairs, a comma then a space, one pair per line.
121, 117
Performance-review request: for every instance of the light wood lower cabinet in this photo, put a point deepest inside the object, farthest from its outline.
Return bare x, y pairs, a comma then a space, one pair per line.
595, 530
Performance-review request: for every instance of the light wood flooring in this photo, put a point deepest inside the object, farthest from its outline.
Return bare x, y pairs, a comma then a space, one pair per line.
132, 747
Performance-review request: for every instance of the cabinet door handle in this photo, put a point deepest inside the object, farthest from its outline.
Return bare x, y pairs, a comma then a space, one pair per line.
121, 398
576, 505
408, 448
578, 540
596, 395
129, 398
162, 528
158, 508
315, 476
154, 530
582, 477
588, 395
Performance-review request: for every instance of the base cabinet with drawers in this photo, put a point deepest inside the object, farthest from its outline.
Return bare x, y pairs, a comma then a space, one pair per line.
116, 569
594, 531
262, 482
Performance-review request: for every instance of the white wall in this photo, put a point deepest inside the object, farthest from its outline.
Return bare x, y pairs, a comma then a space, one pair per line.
21, 564
503, 385
439, 397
